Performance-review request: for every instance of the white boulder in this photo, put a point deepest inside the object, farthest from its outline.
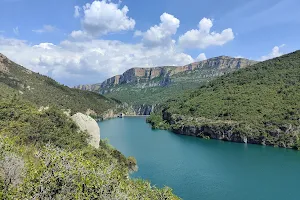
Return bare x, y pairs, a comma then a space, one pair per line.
88, 124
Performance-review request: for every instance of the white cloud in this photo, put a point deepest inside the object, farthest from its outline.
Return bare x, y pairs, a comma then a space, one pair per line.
45, 46
80, 35
274, 53
77, 10
201, 57
203, 37
16, 30
161, 34
138, 33
77, 62
239, 57
103, 17
45, 29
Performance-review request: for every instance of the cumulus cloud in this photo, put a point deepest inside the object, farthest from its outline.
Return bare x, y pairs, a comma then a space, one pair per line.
77, 62
45, 46
201, 57
16, 30
203, 37
77, 10
274, 53
45, 29
80, 35
103, 17
138, 33
161, 34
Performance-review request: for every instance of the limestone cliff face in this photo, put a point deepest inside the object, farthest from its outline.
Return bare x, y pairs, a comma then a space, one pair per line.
3, 67
148, 74
142, 109
88, 124
128, 110
165, 74
88, 87
226, 131
134, 75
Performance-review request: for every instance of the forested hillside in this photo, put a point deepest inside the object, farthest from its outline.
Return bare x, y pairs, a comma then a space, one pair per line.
260, 105
43, 155
16, 80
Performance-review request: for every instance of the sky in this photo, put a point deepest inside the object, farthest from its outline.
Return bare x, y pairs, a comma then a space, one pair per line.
84, 42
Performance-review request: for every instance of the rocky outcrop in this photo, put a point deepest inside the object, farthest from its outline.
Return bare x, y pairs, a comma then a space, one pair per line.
109, 114
88, 124
3, 67
94, 87
128, 110
229, 131
140, 75
143, 109
135, 75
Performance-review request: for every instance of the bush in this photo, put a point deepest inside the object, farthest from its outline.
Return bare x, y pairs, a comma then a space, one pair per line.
43, 155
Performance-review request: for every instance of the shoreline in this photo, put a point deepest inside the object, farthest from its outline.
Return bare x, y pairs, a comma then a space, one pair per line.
135, 116
100, 120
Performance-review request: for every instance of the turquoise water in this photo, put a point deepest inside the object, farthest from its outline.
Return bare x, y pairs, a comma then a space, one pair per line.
206, 169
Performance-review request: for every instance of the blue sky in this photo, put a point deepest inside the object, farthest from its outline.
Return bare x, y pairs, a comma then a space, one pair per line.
105, 38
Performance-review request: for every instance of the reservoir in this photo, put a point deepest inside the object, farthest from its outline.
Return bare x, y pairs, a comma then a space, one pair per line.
205, 169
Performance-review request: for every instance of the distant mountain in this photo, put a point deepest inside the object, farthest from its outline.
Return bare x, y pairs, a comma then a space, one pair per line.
258, 105
152, 86
20, 82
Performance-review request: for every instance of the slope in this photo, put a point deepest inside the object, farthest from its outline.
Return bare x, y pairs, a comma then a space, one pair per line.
259, 105
44, 155
152, 86
44, 91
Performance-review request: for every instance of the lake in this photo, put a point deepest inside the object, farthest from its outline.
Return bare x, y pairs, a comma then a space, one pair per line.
205, 169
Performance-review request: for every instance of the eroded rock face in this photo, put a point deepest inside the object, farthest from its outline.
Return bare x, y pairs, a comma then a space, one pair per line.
3, 67
94, 87
146, 75
88, 124
229, 131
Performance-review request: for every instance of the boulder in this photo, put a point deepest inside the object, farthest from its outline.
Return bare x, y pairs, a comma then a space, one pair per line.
88, 124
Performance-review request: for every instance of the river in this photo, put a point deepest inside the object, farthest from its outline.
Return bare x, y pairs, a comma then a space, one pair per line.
205, 169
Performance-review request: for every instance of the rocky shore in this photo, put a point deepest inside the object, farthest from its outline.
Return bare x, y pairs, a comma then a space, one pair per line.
232, 131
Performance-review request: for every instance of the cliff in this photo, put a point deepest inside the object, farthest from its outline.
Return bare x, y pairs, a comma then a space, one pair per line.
3, 67
145, 75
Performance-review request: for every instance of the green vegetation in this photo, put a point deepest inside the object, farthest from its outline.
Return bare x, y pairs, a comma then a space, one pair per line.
157, 122
43, 155
160, 89
134, 95
260, 104
44, 91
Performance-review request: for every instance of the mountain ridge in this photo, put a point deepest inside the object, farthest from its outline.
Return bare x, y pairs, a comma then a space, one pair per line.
142, 74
